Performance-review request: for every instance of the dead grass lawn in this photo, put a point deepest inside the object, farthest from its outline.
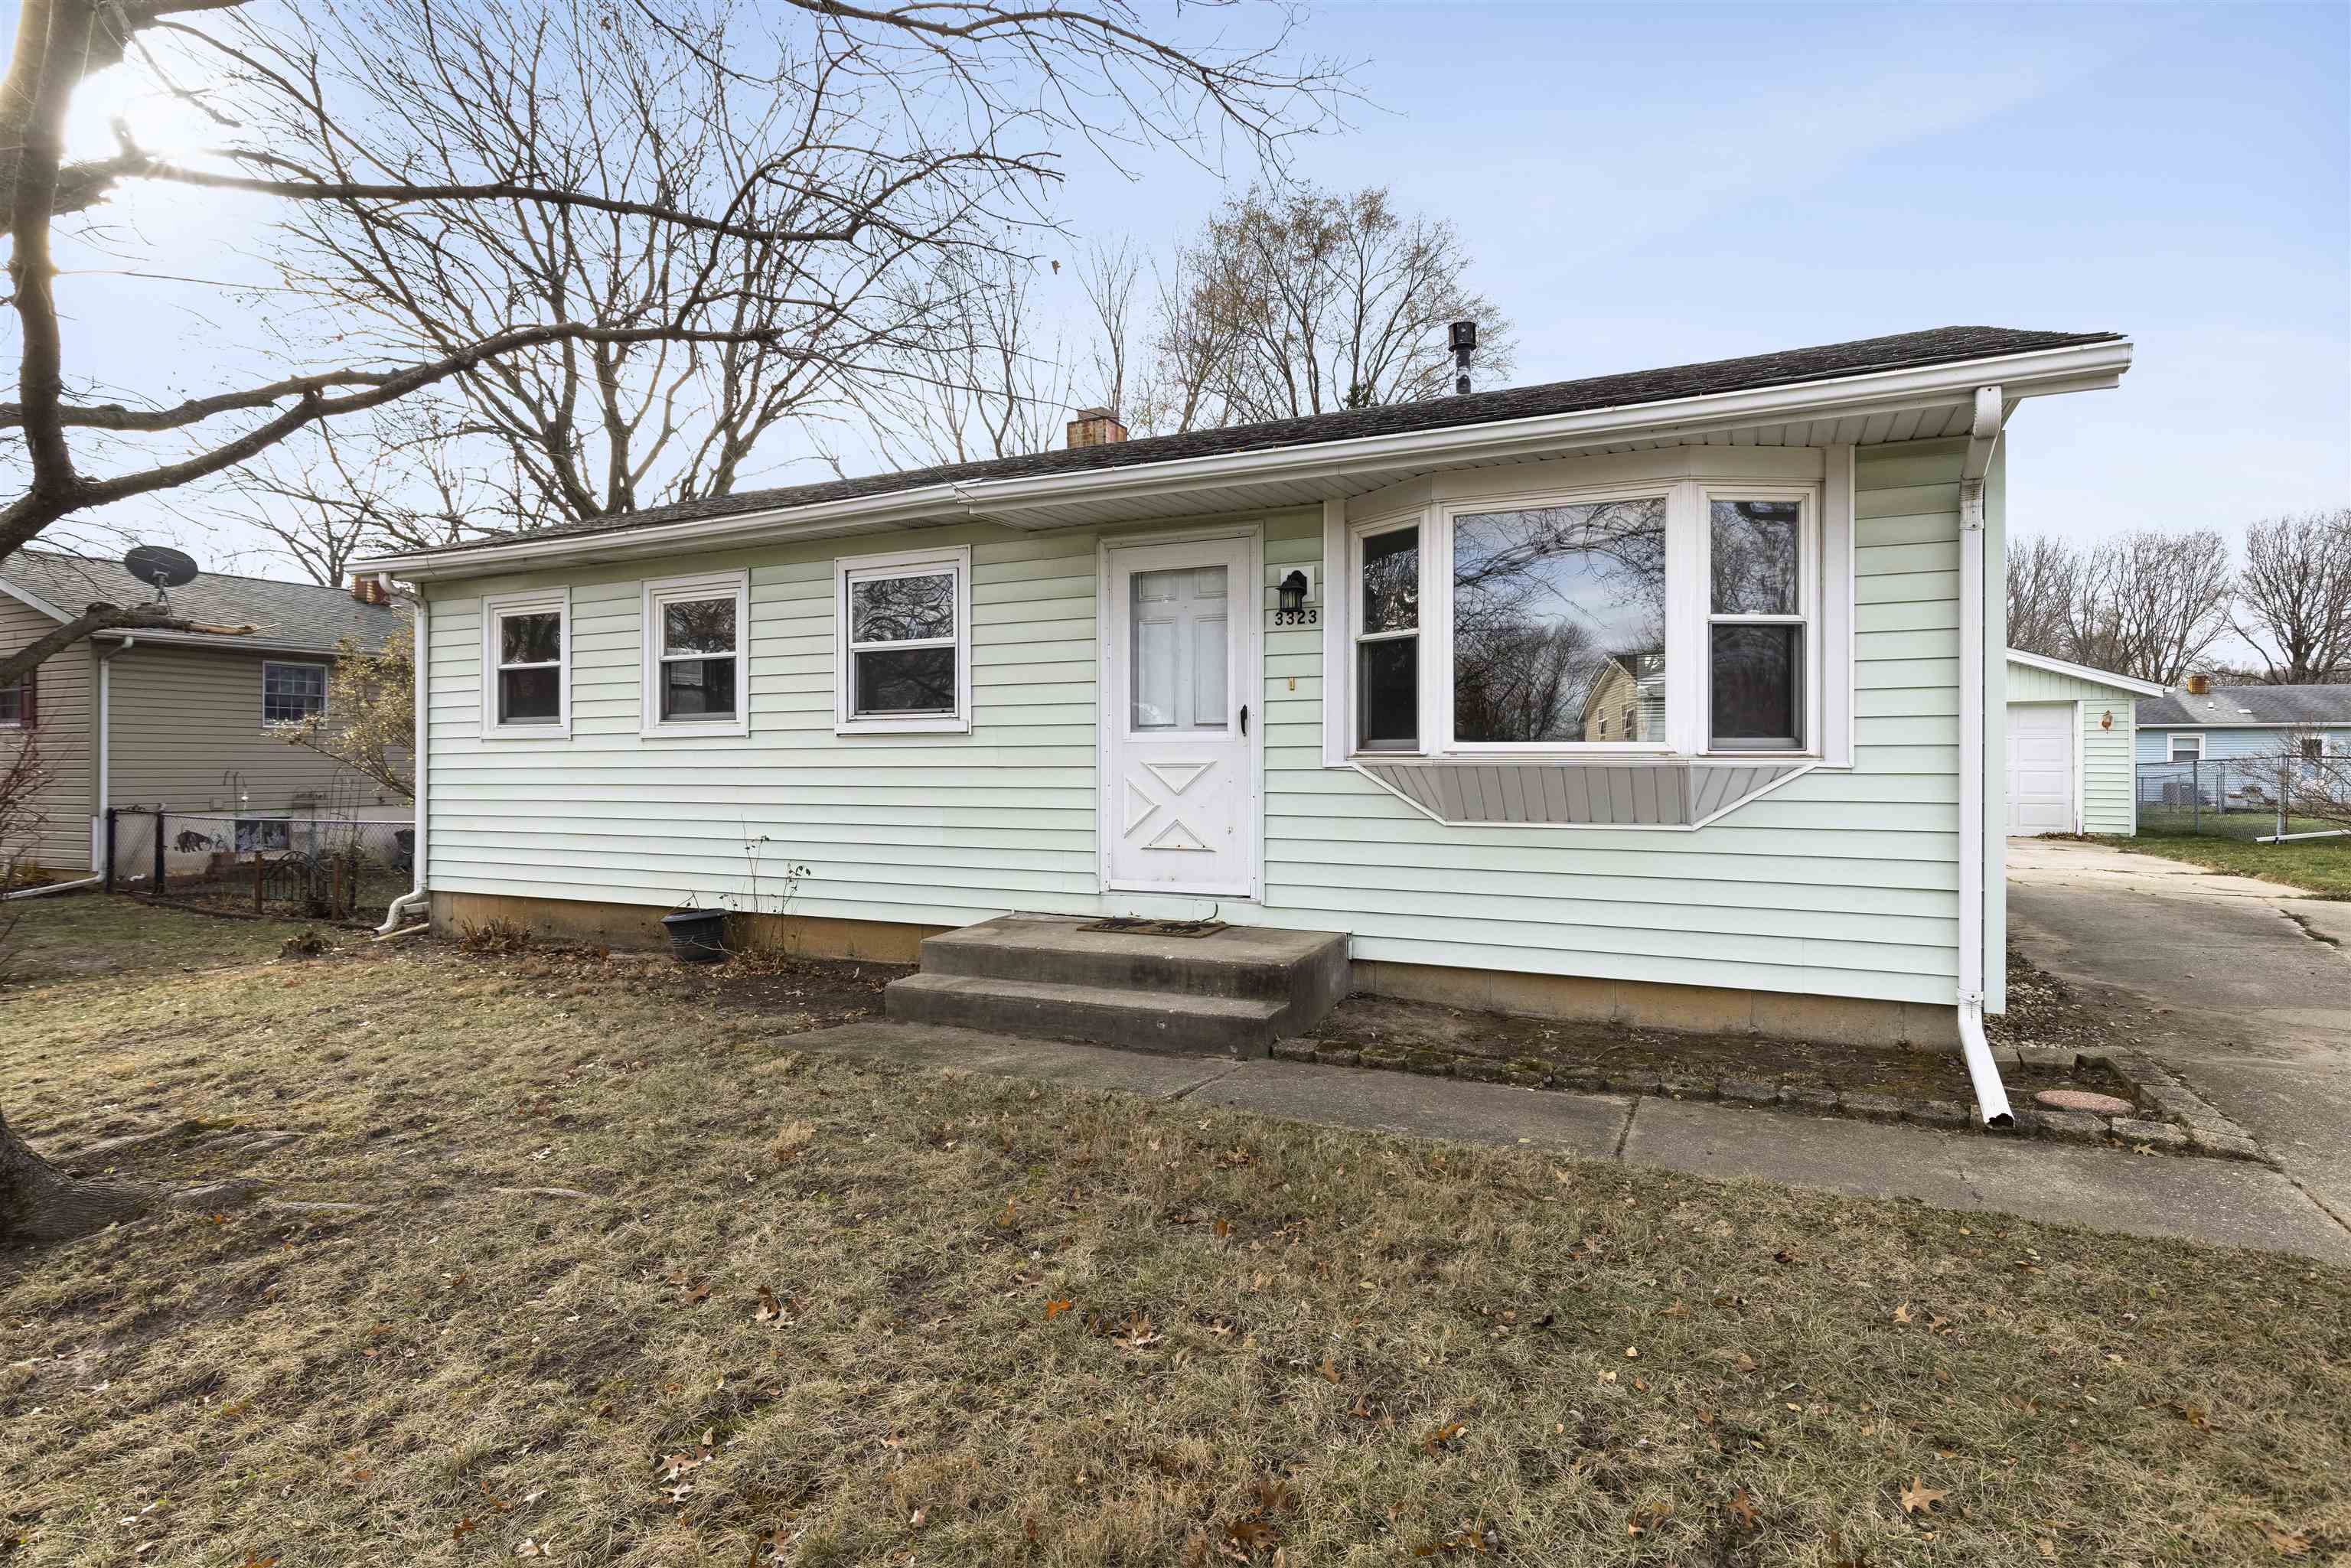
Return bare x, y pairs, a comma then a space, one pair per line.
817, 1313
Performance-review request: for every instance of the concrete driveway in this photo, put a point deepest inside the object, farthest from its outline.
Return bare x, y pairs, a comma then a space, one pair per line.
2242, 987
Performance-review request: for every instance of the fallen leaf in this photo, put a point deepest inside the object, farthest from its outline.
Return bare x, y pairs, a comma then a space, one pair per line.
1741, 1510
1902, 1313
1054, 1309
1918, 1499
1330, 1370
769, 1309
1632, 1353
2286, 1542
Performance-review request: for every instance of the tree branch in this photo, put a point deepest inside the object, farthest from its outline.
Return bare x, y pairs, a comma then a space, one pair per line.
103, 618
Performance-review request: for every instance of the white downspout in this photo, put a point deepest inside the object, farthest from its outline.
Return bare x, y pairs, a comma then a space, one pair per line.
1983, 436
422, 654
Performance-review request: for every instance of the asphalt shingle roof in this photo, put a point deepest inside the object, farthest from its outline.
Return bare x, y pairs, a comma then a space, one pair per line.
1829, 362
301, 615
2248, 705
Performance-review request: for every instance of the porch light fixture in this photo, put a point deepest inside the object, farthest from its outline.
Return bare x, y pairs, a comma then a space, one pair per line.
1292, 590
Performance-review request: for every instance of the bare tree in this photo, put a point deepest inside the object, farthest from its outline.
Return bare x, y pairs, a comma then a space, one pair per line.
1334, 301
2293, 597
900, 132
368, 724
2150, 604
2045, 580
990, 381
2314, 773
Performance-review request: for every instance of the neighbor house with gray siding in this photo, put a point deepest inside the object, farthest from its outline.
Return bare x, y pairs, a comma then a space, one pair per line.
187, 722
1326, 674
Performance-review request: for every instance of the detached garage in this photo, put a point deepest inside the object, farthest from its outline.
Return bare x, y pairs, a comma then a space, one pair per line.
2071, 767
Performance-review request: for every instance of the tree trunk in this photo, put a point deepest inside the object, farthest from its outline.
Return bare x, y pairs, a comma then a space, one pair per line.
40, 1203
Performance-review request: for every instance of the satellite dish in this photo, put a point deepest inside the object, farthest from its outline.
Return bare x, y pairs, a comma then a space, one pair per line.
163, 567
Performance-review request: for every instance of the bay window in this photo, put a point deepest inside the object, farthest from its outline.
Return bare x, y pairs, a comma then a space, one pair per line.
1690, 616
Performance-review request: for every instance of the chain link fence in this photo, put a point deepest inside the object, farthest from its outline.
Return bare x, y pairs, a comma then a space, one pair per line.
2228, 798
285, 865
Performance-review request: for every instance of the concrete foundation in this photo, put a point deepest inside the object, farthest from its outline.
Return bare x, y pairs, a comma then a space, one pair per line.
1851, 1020
628, 925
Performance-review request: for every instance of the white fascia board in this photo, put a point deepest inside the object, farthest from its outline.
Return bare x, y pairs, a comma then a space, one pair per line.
2078, 368
34, 601
2084, 672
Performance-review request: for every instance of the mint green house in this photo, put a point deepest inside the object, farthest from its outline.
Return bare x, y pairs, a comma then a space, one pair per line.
1328, 674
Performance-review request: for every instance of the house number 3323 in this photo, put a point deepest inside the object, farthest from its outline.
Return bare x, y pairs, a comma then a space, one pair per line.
1296, 617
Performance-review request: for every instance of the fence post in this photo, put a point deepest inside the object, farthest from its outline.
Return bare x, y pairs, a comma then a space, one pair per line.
109, 848
156, 885
257, 882
2195, 795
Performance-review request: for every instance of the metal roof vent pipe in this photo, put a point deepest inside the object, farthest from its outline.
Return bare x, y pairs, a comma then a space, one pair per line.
1462, 336
1096, 427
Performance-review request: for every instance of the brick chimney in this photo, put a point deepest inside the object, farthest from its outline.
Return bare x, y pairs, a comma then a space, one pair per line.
2198, 686
367, 590
1096, 427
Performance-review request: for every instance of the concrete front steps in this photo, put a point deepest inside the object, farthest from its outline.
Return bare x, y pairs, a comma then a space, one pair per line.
1232, 993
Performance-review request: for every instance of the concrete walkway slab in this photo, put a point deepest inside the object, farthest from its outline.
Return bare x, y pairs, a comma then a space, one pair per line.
2239, 992
2074, 861
1588, 1124
2220, 1202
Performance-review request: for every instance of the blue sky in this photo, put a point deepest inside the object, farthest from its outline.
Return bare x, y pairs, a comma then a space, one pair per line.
1647, 186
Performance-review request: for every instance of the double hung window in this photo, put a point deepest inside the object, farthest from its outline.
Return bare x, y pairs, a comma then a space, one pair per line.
292, 693
696, 632
904, 646
526, 662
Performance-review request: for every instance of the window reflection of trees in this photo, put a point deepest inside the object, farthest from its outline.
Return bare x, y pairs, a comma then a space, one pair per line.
1542, 598
699, 626
902, 609
1755, 558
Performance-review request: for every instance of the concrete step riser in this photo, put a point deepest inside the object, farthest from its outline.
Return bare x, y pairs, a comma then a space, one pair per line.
1134, 1024
1139, 971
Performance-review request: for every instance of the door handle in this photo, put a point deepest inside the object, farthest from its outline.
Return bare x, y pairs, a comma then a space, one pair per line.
1244, 718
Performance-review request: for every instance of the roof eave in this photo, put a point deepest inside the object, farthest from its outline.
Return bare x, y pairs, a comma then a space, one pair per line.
2080, 367
2085, 673
217, 640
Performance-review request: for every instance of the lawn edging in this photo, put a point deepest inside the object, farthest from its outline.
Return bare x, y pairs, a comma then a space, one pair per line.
2169, 1117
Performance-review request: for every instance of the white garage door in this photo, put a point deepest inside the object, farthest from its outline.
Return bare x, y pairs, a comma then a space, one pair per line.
2040, 768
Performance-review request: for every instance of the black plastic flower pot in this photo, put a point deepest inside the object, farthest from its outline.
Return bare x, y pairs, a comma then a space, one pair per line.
696, 935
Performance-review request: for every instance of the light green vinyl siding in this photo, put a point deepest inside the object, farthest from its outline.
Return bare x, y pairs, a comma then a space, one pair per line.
2107, 770
1842, 883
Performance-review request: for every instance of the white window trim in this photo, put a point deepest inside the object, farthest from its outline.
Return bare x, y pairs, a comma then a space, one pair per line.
661, 592
849, 567
1807, 611
2171, 746
326, 683
535, 602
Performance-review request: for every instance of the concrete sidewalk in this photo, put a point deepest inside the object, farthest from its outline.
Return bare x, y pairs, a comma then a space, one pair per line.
2223, 1202
2241, 987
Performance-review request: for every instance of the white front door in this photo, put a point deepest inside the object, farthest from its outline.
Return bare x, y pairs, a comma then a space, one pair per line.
2040, 768
1180, 695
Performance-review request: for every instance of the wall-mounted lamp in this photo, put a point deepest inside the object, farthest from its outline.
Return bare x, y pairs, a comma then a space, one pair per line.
1293, 590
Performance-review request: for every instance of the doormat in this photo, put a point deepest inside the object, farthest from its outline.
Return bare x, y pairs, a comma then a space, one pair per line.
1127, 926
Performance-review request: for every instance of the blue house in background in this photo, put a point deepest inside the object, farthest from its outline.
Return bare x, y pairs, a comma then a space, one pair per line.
2237, 723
